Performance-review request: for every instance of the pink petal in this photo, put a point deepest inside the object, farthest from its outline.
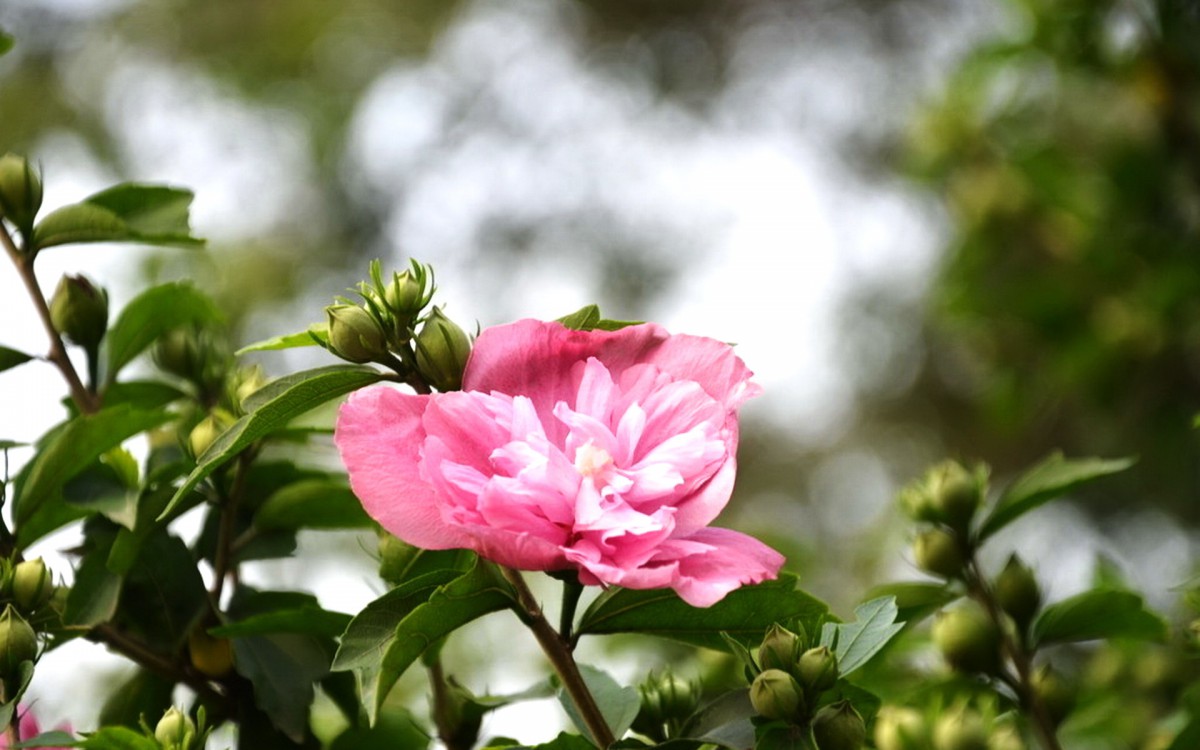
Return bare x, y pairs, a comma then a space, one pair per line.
379, 434
734, 559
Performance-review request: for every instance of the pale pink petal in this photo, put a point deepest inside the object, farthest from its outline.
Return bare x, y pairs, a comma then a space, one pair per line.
379, 434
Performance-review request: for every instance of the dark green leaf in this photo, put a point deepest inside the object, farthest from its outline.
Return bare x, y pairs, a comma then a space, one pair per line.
119, 738
145, 694
305, 391
142, 394
12, 698
287, 341
372, 631
163, 593
10, 358
619, 705
781, 736
97, 591
283, 669
303, 621
152, 313
399, 562
745, 614
739, 650
725, 721
101, 488
395, 730
1051, 479
915, 601
313, 504
73, 447
1096, 614
128, 212
856, 642
1188, 737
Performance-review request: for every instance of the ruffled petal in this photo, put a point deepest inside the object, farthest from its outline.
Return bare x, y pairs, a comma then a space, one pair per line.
733, 559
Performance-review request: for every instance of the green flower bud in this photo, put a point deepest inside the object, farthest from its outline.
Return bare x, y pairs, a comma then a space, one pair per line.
18, 643
32, 584
817, 669
79, 311
955, 494
775, 694
666, 701
960, 730
175, 730
442, 350
247, 382
780, 649
839, 727
1017, 591
937, 551
207, 430
1056, 696
355, 335
968, 640
198, 355
20, 192
408, 293
899, 728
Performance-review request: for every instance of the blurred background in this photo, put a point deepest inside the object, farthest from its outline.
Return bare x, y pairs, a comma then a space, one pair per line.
934, 228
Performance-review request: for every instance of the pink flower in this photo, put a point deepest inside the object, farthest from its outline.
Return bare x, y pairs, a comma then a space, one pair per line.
27, 728
606, 452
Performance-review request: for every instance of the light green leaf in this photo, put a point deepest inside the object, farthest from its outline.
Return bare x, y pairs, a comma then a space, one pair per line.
1097, 614
1049, 480
8, 708
119, 738
619, 705
856, 642
287, 341
303, 392
313, 504
152, 313
10, 358
583, 319
129, 212
744, 614
915, 601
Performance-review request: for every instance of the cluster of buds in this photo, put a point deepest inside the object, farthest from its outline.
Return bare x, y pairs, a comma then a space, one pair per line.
391, 328
667, 700
946, 500
791, 684
200, 356
20, 192
960, 727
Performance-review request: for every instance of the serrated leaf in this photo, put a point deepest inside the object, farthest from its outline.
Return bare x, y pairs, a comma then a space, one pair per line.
1049, 480
856, 642
152, 313
1097, 614
286, 341
618, 704
10, 358
305, 391
313, 504
129, 212
311, 620
744, 614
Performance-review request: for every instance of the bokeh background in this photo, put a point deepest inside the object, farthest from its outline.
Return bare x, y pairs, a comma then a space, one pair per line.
964, 228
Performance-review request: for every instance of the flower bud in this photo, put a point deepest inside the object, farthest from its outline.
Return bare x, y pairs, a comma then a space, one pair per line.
817, 669
1017, 591
198, 355
960, 730
937, 551
408, 294
955, 494
666, 699
207, 430
1055, 694
210, 656
899, 728
355, 335
18, 643
32, 584
839, 727
79, 311
175, 730
775, 694
248, 380
20, 192
442, 350
968, 640
780, 649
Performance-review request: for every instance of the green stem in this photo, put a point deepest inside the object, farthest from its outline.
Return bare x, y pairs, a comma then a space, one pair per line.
572, 590
558, 651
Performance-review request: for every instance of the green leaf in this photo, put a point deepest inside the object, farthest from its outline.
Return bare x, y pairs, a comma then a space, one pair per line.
856, 642
725, 721
52, 739
304, 391
10, 358
129, 212
142, 394
163, 594
8, 708
472, 595
1096, 614
616, 325
6, 444
1049, 480
71, 448
310, 620
119, 738
313, 504
144, 694
371, 632
915, 601
400, 562
287, 341
564, 741
619, 705
6, 42
101, 488
583, 319
152, 313
395, 730
744, 614
283, 669
97, 591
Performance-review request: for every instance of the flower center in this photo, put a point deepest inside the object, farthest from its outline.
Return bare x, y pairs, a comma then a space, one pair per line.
591, 461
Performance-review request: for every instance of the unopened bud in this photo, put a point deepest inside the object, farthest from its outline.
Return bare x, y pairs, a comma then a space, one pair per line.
899, 728
18, 643
938, 551
175, 730
20, 192
32, 584
956, 494
968, 640
408, 293
442, 350
839, 727
79, 311
960, 730
817, 669
207, 430
780, 649
666, 699
355, 335
248, 381
1056, 696
775, 694
1017, 591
